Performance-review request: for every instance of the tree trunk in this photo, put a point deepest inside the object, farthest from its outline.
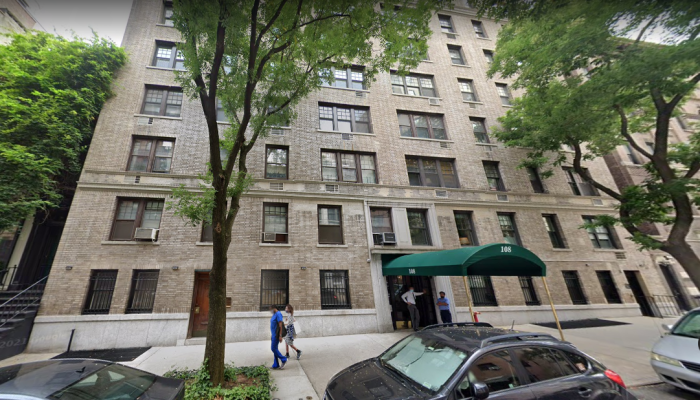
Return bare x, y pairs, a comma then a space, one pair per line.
687, 258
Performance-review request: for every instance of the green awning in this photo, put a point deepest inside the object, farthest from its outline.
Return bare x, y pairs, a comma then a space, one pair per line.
497, 259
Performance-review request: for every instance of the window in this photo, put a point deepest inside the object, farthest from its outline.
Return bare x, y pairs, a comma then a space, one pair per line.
578, 186
422, 126
465, 228
349, 77
529, 292
431, 172
479, 29
466, 86
381, 223
543, 364
343, 118
335, 290
418, 226
573, 284
207, 233
456, 55
136, 213
275, 221
631, 155
608, 285
220, 113
168, 56
446, 23
488, 54
508, 228
479, 128
503, 93
168, 14
552, 226
496, 369
682, 122
151, 155
330, 227
493, 176
100, 290
600, 236
274, 289
143, 291
482, 292
650, 147
348, 167
276, 166
160, 101
413, 85
535, 180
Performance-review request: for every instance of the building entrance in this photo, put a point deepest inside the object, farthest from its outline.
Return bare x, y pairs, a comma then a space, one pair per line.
199, 315
397, 286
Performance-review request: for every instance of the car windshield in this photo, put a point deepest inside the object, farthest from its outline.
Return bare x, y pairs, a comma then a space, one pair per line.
689, 326
427, 362
115, 382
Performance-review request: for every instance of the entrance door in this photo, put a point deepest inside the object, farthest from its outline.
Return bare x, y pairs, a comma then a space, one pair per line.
199, 316
397, 286
675, 287
636, 287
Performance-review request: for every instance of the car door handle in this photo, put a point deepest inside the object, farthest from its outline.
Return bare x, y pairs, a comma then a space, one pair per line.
585, 392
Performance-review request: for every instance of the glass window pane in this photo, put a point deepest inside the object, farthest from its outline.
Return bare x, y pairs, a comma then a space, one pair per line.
426, 82
164, 148
344, 126
128, 210
539, 363
381, 221
152, 214
411, 81
430, 166
276, 156
328, 159
329, 216
396, 80
325, 112
161, 164
496, 370
326, 124
343, 113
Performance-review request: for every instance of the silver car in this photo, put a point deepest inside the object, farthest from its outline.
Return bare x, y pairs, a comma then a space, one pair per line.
676, 356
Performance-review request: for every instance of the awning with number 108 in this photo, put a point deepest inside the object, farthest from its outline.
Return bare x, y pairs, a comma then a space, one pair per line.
496, 259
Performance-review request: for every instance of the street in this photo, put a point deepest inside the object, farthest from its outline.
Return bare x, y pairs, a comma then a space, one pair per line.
661, 392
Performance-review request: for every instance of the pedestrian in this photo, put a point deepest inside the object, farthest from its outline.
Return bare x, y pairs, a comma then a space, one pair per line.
410, 299
291, 331
277, 331
443, 304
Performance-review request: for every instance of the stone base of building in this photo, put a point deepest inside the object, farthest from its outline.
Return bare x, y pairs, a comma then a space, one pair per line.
518, 315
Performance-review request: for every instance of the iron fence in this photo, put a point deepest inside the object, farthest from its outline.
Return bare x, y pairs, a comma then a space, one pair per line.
482, 291
335, 290
99, 298
668, 306
529, 292
143, 292
274, 289
573, 284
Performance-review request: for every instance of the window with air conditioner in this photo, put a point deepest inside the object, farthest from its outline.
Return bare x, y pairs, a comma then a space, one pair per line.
137, 219
381, 225
413, 85
275, 223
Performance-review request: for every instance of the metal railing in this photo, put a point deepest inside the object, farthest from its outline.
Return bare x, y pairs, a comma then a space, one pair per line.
335, 290
22, 301
482, 291
668, 306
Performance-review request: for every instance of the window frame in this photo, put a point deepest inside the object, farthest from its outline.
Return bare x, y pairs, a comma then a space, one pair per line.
488, 55
505, 99
276, 147
172, 63
339, 226
552, 353
423, 212
391, 223
527, 286
439, 171
482, 296
349, 81
346, 280
427, 116
612, 294
138, 219
514, 364
481, 137
358, 166
286, 223
501, 186
589, 219
167, 90
405, 86
458, 49
110, 275
353, 121
152, 155
479, 30
164, 17
469, 82
555, 235
578, 186
631, 154
575, 278
536, 183
281, 272
151, 297
206, 228
516, 234
446, 28
471, 235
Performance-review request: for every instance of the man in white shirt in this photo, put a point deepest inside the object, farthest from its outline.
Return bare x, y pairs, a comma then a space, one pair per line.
410, 299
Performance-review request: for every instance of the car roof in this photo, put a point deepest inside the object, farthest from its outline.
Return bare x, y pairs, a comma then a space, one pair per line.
472, 338
42, 378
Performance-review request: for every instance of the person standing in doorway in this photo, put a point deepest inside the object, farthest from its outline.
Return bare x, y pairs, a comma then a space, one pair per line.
410, 299
277, 331
443, 304
291, 331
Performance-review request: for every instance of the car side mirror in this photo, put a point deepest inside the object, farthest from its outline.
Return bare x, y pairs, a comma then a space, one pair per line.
480, 390
667, 327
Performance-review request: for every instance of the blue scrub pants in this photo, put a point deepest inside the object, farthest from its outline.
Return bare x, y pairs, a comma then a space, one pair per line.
276, 352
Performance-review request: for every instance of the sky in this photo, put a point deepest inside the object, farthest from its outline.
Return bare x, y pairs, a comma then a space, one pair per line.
106, 17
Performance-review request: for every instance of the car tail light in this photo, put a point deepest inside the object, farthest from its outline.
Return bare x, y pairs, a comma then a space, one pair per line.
615, 377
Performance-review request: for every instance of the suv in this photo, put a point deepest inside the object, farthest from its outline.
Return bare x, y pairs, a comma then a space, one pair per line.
477, 361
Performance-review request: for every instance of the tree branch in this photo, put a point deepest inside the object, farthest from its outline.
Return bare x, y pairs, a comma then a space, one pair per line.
693, 169
267, 27
641, 34
677, 98
624, 131
578, 155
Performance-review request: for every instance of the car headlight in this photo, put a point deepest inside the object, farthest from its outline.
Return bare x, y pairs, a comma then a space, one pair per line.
665, 360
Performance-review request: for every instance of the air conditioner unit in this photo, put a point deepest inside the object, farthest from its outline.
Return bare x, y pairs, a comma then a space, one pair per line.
144, 121
333, 188
441, 193
597, 202
433, 101
347, 136
502, 197
269, 236
388, 238
146, 234
444, 145
361, 95
276, 131
276, 186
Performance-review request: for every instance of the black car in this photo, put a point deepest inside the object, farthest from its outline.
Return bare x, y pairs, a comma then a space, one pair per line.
80, 379
477, 361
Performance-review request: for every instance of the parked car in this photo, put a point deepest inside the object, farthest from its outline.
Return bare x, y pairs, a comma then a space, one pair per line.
81, 379
676, 356
477, 361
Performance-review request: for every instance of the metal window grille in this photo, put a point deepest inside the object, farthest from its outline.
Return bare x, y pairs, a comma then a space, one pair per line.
529, 292
335, 290
608, 285
143, 292
573, 284
482, 291
99, 298
274, 289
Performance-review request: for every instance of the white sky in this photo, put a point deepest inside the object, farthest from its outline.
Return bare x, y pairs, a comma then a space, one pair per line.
106, 17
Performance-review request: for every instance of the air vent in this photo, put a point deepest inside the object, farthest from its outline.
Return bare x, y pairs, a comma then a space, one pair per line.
276, 186
277, 132
433, 101
444, 145
441, 193
332, 188
621, 256
362, 95
144, 121
472, 105
451, 36
597, 202
137, 179
502, 197
348, 136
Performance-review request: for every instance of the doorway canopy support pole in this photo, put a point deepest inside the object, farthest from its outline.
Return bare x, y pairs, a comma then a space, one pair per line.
554, 311
469, 297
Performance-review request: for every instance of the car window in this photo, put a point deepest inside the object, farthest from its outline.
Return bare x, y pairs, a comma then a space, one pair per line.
566, 367
494, 369
579, 361
539, 363
689, 326
112, 382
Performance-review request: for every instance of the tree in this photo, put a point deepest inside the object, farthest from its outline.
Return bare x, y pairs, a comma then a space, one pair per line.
592, 82
51, 92
259, 59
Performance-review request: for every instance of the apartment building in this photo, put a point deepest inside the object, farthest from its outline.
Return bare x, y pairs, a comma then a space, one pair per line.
365, 173
14, 18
